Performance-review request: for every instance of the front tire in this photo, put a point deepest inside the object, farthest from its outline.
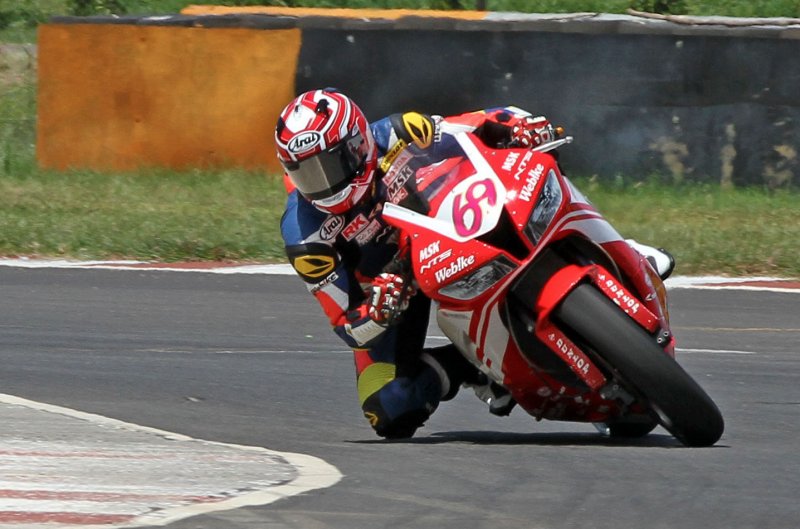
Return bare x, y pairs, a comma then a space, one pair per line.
632, 355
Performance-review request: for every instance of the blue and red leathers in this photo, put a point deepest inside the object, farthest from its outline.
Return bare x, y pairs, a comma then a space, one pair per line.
339, 255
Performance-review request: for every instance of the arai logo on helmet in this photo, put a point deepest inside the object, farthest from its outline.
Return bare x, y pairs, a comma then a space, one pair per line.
304, 142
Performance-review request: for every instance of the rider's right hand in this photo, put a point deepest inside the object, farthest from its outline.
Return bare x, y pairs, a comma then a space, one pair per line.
388, 297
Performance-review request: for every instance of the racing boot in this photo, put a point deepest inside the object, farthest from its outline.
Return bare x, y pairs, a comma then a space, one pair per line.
660, 259
496, 396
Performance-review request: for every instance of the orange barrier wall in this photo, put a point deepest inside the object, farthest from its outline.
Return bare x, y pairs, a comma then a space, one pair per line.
387, 14
118, 97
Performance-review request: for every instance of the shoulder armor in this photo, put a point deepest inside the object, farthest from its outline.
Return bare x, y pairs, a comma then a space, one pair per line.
313, 261
413, 127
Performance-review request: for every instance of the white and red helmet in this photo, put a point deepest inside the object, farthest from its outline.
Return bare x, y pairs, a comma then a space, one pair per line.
327, 150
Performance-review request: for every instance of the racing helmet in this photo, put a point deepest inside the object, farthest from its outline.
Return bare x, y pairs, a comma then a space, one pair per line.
327, 150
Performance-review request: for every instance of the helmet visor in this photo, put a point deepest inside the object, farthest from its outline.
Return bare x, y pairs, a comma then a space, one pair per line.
328, 172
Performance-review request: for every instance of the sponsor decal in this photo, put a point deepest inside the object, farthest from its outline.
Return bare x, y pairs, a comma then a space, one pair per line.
437, 134
365, 332
530, 184
454, 267
355, 226
367, 234
391, 154
436, 260
510, 160
403, 193
396, 186
304, 141
522, 165
325, 282
621, 297
371, 417
429, 251
420, 128
431, 254
579, 361
399, 163
314, 266
331, 227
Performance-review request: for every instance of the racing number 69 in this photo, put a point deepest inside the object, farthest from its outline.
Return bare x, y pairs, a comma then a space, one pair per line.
467, 224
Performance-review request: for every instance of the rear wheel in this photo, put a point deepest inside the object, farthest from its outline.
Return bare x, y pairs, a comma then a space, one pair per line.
640, 364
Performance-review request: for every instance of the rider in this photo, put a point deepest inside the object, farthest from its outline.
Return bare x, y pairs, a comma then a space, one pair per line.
338, 177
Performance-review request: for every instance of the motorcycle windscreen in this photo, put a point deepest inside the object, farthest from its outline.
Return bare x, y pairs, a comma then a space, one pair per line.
464, 195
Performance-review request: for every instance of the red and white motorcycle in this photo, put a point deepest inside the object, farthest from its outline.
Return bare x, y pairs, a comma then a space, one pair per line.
540, 292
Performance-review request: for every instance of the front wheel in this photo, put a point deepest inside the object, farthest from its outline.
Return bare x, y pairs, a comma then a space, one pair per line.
632, 355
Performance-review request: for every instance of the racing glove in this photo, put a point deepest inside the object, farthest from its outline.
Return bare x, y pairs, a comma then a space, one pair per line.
387, 297
530, 132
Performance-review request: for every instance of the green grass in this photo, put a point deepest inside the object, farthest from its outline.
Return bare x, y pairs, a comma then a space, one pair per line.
153, 215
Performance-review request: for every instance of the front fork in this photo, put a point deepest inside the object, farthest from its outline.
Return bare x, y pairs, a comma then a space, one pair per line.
558, 287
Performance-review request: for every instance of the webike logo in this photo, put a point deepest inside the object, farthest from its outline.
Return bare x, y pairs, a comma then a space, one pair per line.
534, 176
304, 141
454, 268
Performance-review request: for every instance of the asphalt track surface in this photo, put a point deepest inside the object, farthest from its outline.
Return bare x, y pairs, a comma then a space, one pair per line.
248, 360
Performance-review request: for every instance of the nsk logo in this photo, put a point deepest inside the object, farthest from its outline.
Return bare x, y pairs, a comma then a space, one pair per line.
304, 141
511, 159
530, 184
429, 251
455, 267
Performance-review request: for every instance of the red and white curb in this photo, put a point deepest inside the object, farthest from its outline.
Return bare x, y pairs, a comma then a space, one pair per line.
66, 469
773, 284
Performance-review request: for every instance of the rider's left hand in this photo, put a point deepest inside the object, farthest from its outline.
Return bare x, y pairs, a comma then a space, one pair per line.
529, 132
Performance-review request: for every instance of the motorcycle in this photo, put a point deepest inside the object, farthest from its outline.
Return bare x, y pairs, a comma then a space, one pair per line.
537, 289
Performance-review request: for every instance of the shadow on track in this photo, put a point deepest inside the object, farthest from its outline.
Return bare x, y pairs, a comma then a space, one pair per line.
543, 439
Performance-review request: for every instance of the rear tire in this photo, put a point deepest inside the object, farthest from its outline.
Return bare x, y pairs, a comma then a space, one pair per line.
681, 406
